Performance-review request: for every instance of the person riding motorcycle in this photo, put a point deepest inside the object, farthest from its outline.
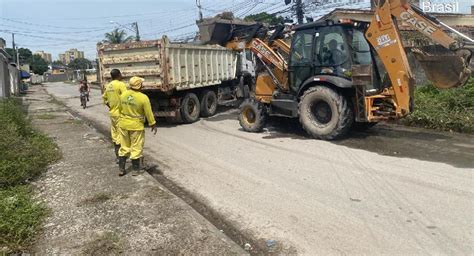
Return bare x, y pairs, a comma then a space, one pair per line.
84, 88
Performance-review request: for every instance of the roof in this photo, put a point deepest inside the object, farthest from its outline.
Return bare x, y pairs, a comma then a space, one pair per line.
451, 19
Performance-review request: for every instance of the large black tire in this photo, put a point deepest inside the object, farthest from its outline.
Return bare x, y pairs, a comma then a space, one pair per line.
362, 126
190, 108
324, 113
208, 103
253, 115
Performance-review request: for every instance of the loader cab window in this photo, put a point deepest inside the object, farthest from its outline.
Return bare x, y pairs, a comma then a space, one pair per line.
301, 59
302, 48
360, 47
332, 51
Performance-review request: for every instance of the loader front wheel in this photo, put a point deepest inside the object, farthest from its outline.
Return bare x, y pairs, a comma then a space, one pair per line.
190, 108
325, 113
253, 115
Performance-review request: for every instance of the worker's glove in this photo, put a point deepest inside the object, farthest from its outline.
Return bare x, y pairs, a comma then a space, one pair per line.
154, 129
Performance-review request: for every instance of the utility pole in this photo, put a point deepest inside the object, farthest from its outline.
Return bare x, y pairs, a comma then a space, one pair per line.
14, 48
137, 37
299, 11
199, 6
17, 58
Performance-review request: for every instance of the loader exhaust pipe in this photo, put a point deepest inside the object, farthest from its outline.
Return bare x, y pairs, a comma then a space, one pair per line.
445, 68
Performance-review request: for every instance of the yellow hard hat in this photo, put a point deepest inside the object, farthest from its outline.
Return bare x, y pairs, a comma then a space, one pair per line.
136, 82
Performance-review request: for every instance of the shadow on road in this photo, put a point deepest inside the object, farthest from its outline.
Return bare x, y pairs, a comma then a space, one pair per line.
384, 139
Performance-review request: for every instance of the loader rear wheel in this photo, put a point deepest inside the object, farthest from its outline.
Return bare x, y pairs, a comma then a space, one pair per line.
253, 115
324, 113
208, 103
190, 108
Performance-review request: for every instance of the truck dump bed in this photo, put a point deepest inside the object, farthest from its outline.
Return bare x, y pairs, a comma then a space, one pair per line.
168, 66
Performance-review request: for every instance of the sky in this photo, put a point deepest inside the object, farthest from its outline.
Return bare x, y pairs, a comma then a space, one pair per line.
58, 25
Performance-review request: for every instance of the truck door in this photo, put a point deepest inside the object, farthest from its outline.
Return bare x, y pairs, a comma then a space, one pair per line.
301, 59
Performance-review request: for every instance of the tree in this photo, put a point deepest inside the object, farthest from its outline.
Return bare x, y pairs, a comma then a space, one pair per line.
264, 17
117, 36
38, 65
58, 63
25, 55
80, 64
10, 52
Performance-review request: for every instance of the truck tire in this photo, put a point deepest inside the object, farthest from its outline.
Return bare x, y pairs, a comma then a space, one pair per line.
208, 103
324, 113
253, 115
190, 108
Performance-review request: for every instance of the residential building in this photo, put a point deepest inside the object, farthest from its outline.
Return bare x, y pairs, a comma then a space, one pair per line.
62, 58
461, 22
70, 55
46, 56
9, 74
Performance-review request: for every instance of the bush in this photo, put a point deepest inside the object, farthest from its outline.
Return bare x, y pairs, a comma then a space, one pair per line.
448, 110
24, 154
20, 217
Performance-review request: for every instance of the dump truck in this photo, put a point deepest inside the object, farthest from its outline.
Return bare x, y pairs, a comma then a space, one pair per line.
184, 81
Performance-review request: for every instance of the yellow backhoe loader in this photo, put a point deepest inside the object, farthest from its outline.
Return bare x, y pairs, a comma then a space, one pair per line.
338, 75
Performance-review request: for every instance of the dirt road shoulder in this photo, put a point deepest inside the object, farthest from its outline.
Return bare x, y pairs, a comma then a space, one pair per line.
94, 211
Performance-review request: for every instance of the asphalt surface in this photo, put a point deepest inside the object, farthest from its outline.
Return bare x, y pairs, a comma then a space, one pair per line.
392, 190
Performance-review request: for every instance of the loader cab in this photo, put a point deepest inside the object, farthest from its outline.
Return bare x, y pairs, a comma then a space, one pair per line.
326, 49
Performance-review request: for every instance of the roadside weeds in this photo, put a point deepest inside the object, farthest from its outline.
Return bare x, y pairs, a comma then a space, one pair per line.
26, 153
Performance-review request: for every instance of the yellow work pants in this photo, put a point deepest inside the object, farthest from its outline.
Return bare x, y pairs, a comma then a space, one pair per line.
115, 129
131, 143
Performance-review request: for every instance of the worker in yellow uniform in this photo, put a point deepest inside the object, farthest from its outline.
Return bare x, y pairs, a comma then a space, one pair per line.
135, 107
111, 98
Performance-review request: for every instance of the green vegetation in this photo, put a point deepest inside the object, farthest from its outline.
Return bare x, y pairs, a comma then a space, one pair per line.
24, 154
20, 217
266, 18
38, 65
104, 244
80, 64
448, 110
96, 199
117, 36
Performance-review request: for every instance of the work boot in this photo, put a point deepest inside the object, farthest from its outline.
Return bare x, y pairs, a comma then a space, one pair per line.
136, 167
122, 161
116, 149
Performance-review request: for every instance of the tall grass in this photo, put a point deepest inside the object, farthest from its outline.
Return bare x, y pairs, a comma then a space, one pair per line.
24, 154
444, 109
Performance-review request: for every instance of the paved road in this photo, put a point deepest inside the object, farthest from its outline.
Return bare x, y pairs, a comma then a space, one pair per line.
393, 190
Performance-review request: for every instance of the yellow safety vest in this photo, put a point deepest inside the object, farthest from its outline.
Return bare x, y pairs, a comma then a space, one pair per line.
111, 96
134, 108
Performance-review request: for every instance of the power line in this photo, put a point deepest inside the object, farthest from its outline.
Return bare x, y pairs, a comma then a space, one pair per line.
50, 26
53, 32
129, 15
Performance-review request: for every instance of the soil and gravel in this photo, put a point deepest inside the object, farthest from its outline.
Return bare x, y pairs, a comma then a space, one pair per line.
93, 211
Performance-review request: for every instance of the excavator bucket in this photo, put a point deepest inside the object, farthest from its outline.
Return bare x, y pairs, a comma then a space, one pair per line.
446, 69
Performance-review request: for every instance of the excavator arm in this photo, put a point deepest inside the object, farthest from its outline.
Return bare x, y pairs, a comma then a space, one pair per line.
384, 35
